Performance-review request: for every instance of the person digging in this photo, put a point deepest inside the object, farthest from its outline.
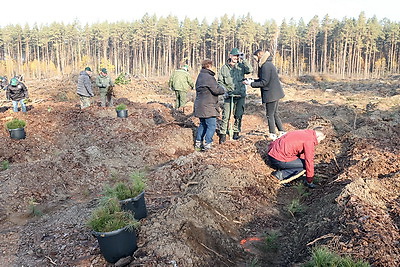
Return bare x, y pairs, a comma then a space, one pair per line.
292, 155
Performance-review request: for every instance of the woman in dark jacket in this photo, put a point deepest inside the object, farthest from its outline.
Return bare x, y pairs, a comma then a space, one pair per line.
206, 104
271, 91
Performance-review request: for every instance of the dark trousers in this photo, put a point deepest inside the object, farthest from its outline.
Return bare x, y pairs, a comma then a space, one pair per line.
273, 118
288, 169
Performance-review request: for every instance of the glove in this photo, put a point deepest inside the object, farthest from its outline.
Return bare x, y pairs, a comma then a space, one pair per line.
248, 81
226, 95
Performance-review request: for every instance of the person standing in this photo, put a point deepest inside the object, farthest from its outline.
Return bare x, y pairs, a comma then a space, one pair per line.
85, 90
231, 76
17, 92
3, 82
294, 152
271, 91
180, 82
206, 105
105, 84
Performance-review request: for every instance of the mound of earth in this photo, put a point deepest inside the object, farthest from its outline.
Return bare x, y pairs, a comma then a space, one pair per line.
213, 208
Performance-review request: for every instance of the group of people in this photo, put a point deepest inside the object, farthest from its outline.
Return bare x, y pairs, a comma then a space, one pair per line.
231, 83
16, 91
85, 87
289, 153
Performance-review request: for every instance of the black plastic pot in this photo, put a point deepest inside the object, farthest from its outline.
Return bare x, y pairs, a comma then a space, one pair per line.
116, 244
122, 113
18, 133
137, 205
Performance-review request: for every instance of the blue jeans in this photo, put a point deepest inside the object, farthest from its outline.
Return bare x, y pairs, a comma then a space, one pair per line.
206, 129
288, 169
15, 105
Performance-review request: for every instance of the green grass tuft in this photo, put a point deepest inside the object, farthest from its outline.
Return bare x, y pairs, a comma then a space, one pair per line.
295, 207
5, 165
323, 257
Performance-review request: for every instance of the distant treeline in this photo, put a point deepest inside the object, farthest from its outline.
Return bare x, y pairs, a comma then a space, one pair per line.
152, 46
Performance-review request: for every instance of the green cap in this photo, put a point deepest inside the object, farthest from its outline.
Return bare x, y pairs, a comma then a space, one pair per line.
104, 70
185, 67
235, 52
88, 69
13, 81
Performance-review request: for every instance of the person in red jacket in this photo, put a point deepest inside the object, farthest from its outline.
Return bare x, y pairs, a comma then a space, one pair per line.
294, 152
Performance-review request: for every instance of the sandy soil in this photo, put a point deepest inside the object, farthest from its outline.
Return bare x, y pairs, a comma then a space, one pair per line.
212, 208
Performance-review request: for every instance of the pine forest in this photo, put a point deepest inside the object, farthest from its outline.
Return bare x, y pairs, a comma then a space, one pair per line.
154, 46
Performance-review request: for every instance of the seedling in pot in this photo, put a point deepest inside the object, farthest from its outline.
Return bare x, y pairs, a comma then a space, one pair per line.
120, 107
126, 190
109, 217
15, 124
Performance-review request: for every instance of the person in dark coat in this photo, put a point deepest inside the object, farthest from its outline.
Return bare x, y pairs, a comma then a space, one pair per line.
3, 82
271, 91
17, 92
206, 105
85, 90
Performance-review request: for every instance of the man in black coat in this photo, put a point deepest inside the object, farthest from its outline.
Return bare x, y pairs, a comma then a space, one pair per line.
271, 91
17, 92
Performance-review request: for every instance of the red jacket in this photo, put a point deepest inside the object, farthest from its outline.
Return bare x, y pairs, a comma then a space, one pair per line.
293, 145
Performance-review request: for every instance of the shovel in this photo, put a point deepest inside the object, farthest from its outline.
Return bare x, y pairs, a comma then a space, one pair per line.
230, 121
294, 177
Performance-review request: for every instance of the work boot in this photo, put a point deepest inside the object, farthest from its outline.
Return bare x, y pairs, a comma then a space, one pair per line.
222, 138
207, 146
235, 136
278, 175
197, 146
272, 137
282, 133
309, 185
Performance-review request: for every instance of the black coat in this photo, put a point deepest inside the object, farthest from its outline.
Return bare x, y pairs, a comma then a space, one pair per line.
207, 91
268, 82
17, 93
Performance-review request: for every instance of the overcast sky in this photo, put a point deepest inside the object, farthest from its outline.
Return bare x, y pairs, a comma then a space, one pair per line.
84, 11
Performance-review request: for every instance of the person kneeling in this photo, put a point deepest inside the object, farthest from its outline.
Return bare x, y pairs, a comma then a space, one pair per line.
294, 152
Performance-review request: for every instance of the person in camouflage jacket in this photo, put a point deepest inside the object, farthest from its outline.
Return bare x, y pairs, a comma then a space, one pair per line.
105, 84
231, 76
180, 82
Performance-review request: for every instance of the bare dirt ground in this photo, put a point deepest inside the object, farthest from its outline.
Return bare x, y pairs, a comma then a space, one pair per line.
205, 208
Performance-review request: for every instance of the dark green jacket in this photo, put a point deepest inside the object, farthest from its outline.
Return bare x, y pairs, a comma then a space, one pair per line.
103, 81
181, 80
232, 77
